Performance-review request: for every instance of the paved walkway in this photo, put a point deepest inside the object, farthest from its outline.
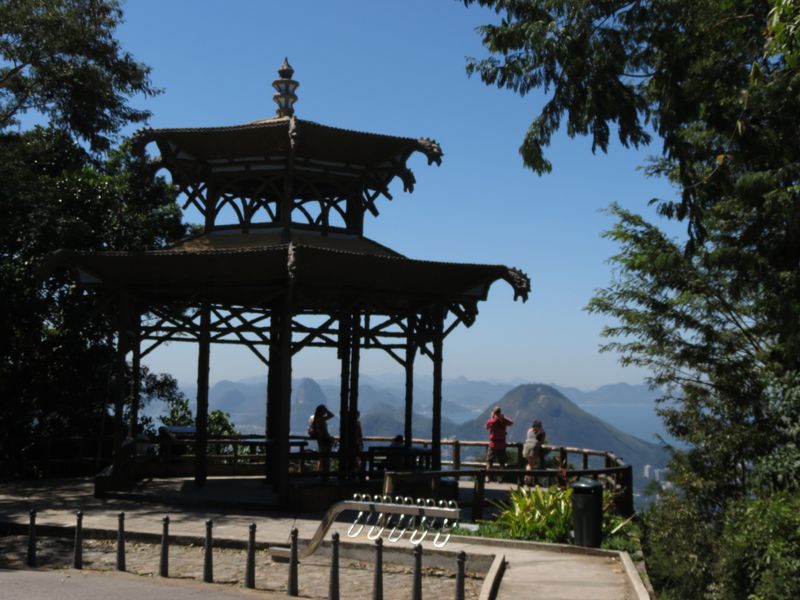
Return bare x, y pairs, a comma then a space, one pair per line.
550, 571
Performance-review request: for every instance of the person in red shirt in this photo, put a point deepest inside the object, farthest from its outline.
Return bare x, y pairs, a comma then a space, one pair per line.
497, 425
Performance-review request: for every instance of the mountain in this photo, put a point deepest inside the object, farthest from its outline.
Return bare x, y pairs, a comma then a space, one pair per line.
614, 394
565, 423
472, 394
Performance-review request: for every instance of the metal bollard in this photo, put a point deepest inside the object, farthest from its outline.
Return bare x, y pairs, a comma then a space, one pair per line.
292, 587
121, 543
416, 588
77, 557
163, 567
461, 557
208, 562
250, 568
32, 539
377, 581
333, 587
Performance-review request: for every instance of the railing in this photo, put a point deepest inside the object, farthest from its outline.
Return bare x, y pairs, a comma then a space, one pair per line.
168, 456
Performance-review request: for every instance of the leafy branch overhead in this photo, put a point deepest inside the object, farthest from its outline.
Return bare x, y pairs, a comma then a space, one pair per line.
707, 79
60, 58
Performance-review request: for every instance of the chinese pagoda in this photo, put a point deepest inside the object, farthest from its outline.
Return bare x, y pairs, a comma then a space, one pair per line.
282, 264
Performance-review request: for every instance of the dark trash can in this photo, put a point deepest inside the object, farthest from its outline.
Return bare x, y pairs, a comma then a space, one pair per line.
587, 512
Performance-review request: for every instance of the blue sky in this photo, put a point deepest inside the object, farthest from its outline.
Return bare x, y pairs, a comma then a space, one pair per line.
399, 68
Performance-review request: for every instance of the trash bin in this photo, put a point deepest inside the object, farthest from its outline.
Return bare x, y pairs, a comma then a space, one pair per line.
587, 512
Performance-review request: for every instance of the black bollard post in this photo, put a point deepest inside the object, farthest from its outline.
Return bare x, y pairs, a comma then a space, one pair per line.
377, 581
333, 587
121, 543
77, 557
32, 539
163, 567
208, 563
460, 558
250, 569
292, 587
416, 587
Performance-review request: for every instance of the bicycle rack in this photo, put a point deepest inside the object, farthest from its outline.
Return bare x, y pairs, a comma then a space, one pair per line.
377, 512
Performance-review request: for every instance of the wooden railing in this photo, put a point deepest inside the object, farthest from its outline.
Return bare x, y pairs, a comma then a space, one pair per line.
246, 455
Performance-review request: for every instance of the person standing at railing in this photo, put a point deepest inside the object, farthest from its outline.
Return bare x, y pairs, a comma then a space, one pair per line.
532, 449
497, 425
318, 430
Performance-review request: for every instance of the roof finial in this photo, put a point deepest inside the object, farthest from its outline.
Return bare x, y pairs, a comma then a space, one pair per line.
285, 86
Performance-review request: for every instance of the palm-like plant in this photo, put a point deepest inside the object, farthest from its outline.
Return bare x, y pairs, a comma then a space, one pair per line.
537, 514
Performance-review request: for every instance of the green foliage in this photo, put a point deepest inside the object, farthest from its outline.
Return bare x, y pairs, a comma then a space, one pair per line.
759, 550
178, 413
60, 58
715, 317
677, 541
536, 514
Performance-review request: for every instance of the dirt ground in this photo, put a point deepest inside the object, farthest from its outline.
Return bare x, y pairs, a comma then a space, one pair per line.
356, 577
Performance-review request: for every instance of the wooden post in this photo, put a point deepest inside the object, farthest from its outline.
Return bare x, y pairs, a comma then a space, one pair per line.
456, 456
627, 507
119, 382
250, 566
477, 496
345, 335
136, 377
270, 429
411, 350
201, 416
436, 426
347, 445
281, 448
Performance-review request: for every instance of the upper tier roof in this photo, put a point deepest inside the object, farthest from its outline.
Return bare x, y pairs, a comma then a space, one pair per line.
273, 140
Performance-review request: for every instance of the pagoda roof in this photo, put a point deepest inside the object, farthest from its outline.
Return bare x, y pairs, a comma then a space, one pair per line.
235, 238
265, 144
323, 273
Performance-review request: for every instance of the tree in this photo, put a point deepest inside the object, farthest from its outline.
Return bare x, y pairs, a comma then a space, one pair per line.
60, 58
64, 187
714, 317
57, 349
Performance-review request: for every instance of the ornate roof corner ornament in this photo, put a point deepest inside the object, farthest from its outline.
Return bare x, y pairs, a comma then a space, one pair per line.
431, 149
407, 177
286, 87
519, 281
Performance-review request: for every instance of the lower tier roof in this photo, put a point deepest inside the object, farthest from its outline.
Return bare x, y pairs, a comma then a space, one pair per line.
319, 277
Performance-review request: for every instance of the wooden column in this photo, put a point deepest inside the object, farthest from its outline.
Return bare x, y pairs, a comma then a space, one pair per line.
273, 402
284, 399
345, 337
136, 377
411, 352
120, 366
201, 416
436, 427
352, 409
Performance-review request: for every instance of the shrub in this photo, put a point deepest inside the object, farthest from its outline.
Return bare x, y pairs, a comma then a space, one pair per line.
759, 553
678, 542
537, 514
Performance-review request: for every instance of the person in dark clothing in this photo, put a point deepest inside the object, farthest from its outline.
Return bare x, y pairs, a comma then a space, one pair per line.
497, 425
319, 426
